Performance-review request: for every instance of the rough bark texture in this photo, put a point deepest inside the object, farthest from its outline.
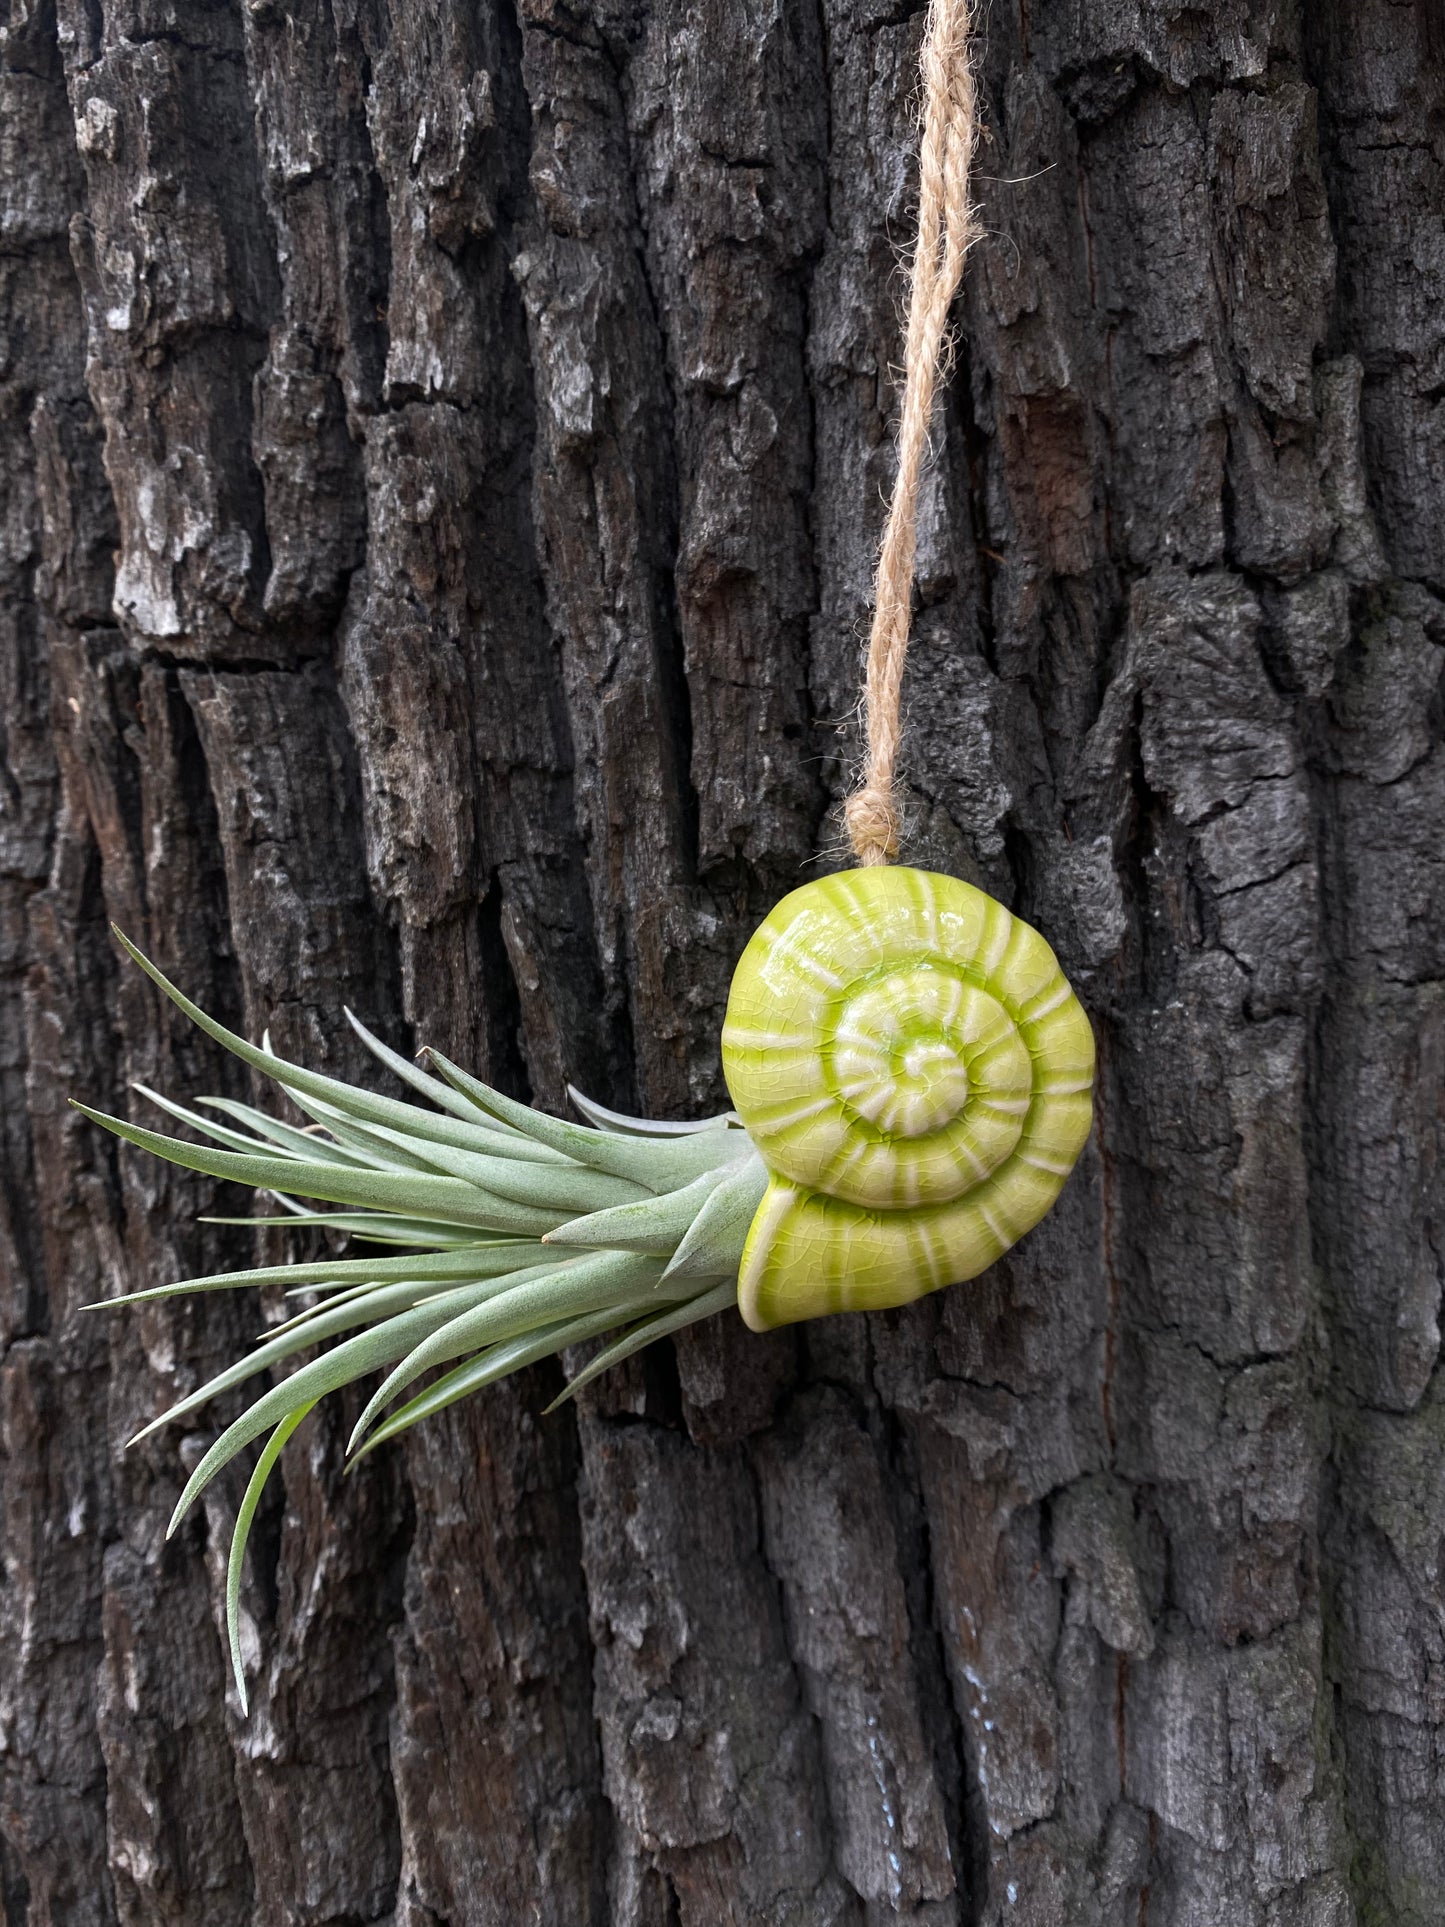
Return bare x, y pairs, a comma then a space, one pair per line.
443, 452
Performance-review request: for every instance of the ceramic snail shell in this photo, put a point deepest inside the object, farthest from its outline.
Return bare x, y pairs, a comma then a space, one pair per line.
916, 1072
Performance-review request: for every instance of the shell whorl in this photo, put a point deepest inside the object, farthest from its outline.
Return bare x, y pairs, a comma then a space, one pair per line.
910, 1061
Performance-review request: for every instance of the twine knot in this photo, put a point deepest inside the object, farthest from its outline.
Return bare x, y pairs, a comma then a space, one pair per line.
947, 228
873, 825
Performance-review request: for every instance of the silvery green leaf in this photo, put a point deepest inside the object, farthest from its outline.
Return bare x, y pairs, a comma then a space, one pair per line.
712, 1245
497, 1361
367, 1352
599, 1116
432, 1088
387, 1305
561, 1186
242, 1533
658, 1164
376, 1226
654, 1225
471, 1261
647, 1333
372, 1137
300, 1141
352, 1101
406, 1191
597, 1281
362, 1143
222, 1133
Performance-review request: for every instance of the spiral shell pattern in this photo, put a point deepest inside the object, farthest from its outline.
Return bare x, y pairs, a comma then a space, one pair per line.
910, 1061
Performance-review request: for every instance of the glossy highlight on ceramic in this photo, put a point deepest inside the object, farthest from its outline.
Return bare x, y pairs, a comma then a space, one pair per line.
913, 1066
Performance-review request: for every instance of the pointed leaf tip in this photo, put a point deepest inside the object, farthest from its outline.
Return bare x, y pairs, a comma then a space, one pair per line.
244, 1519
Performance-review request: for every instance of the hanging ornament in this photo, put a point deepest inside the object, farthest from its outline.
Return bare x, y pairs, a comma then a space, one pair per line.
910, 1071
915, 1073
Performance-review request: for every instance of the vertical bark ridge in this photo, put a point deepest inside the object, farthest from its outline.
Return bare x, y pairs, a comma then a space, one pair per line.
1370, 672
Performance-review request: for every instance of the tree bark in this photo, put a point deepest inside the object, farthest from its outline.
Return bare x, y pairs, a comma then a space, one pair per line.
443, 456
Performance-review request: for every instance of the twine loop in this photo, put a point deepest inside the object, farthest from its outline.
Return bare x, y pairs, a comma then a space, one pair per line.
947, 227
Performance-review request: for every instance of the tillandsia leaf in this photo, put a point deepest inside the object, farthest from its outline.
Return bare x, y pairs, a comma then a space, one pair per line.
625, 1126
476, 1260
354, 1102
301, 1143
500, 1236
660, 1165
506, 1140
365, 1144
386, 1309
367, 1352
654, 1226
619, 1280
280, 1139
375, 1227
562, 1185
497, 1361
647, 1332
720, 1228
452, 1200
244, 1518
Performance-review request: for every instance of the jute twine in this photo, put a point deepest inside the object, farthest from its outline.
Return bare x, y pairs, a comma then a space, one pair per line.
947, 227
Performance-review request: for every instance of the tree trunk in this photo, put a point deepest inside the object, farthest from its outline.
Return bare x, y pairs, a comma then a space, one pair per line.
443, 456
